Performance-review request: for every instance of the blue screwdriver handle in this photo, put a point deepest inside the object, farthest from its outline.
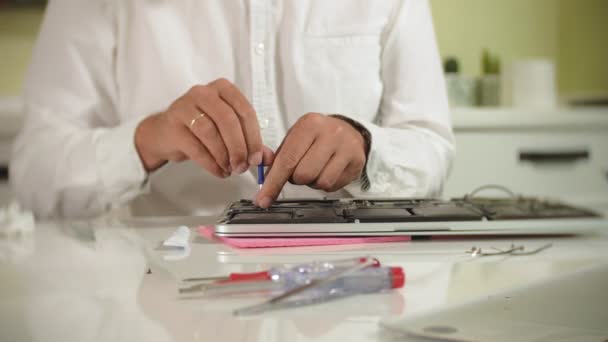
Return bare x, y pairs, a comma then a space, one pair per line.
261, 174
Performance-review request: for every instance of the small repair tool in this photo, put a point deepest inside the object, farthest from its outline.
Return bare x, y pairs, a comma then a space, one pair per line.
369, 278
355, 280
276, 271
261, 175
303, 284
275, 278
513, 251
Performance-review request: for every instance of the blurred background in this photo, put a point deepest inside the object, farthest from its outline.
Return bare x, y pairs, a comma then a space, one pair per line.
570, 33
527, 80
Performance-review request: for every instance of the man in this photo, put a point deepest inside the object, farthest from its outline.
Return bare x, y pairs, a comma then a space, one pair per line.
169, 105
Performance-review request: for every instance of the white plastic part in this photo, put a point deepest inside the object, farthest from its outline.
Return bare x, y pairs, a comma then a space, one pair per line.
179, 242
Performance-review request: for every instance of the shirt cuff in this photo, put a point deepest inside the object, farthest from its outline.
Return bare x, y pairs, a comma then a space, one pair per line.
122, 172
376, 178
363, 181
364, 184
410, 162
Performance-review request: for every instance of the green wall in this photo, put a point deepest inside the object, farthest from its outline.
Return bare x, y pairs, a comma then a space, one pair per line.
510, 28
18, 29
574, 33
583, 49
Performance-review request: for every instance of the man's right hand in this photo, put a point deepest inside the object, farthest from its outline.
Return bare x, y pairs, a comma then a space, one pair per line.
224, 139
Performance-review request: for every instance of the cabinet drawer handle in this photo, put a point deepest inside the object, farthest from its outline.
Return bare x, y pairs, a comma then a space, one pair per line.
3, 173
564, 156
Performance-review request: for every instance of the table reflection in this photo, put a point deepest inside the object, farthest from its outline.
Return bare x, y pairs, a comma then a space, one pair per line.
107, 280
74, 282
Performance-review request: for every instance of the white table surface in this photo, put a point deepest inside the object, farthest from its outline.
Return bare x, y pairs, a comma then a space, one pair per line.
505, 118
88, 282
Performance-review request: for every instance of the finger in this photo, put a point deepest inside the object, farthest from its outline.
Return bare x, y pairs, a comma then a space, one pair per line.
350, 174
206, 131
268, 155
177, 157
247, 117
313, 162
352, 171
328, 179
292, 150
228, 124
191, 147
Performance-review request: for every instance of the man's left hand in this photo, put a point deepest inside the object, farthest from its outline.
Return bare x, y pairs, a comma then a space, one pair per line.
323, 152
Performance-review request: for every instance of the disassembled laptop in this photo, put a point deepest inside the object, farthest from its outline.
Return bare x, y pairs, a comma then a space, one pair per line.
469, 215
400, 210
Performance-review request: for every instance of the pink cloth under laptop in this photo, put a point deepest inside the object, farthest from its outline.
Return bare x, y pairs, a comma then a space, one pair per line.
208, 232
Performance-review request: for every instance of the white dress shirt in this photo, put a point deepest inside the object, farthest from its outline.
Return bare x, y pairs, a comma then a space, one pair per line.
100, 66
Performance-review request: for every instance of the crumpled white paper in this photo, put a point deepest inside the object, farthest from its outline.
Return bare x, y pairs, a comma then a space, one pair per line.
16, 233
14, 221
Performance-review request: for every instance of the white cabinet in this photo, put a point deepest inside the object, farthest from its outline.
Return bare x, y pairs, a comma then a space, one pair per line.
5, 196
4, 188
557, 155
5, 148
11, 118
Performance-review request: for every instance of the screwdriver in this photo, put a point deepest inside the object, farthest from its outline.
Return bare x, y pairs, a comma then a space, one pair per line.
261, 175
275, 271
356, 280
370, 279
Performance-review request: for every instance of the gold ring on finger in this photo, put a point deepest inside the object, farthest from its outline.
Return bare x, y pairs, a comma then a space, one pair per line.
199, 116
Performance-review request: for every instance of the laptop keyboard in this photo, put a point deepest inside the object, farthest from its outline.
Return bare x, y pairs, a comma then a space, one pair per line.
399, 210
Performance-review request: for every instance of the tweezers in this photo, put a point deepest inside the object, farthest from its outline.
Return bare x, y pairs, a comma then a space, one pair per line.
514, 251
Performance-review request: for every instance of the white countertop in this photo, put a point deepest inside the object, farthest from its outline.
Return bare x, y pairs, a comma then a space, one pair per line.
88, 282
474, 119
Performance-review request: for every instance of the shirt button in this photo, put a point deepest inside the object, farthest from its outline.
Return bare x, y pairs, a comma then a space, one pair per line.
259, 49
263, 123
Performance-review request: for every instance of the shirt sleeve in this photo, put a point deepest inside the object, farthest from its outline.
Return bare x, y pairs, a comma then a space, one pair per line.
412, 144
74, 157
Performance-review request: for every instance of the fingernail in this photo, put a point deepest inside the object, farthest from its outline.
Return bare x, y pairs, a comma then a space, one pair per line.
255, 159
242, 168
265, 202
226, 174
